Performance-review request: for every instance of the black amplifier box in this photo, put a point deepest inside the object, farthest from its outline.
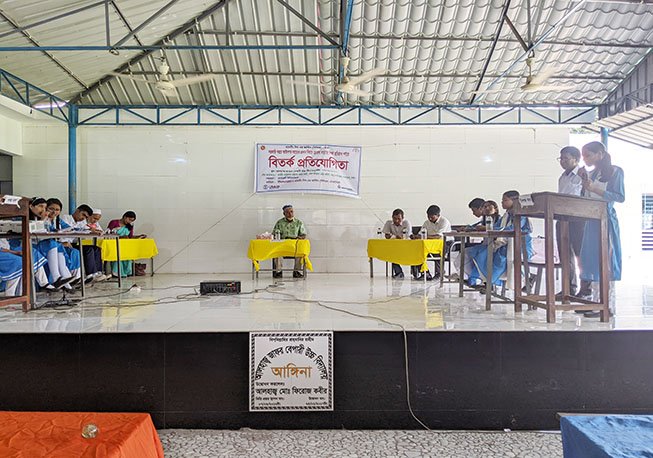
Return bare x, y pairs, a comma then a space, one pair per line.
219, 287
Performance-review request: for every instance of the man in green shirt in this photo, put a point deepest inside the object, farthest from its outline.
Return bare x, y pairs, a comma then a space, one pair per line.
289, 227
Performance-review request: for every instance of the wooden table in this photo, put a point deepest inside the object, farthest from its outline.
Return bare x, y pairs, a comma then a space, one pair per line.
552, 206
491, 237
22, 212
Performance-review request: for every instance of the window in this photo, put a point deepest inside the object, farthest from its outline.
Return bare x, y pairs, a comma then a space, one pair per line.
647, 222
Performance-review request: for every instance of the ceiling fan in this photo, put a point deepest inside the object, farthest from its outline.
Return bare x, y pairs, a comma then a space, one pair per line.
349, 86
535, 82
164, 84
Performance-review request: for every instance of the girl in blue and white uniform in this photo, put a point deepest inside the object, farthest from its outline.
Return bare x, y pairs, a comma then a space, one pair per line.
54, 224
605, 181
476, 267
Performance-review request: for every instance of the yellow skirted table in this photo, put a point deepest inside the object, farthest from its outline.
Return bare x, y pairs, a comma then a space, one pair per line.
403, 252
260, 250
130, 249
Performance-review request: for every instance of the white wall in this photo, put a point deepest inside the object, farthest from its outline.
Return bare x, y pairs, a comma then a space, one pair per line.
181, 181
11, 135
637, 163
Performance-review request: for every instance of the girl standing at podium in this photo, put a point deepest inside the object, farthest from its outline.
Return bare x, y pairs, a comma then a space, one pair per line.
605, 181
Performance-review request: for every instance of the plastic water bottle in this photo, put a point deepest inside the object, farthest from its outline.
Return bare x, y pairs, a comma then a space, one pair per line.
379, 233
489, 222
422, 233
405, 234
277, 235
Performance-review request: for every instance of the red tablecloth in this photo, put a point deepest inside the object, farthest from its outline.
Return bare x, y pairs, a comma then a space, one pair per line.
59, 434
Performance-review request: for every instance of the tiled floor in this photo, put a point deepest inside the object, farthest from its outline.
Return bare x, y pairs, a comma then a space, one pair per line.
168, 303
450, 444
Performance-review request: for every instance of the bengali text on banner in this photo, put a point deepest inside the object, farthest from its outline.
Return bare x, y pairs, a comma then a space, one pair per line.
325, 169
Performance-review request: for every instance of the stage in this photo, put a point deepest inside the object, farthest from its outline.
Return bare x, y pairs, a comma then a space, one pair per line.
290, 304
159, 348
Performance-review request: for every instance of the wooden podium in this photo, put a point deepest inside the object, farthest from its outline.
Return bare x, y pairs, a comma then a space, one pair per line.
22, 212
552, 206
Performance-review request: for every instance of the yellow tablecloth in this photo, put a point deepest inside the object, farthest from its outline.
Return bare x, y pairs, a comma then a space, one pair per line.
130, 249
404, 252
260, 250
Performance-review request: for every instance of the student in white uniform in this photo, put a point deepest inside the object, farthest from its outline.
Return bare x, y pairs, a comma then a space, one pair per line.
397, 228
11, 269
93, 254
55, 222
571, 183
435, 226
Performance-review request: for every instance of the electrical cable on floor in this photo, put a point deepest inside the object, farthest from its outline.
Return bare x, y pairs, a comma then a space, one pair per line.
195, 297
376, 318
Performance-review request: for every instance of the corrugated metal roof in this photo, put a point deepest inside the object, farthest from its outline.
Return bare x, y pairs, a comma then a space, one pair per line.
635, 126
434, 51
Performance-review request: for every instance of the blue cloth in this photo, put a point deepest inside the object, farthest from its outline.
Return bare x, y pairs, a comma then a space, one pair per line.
499, 257
589, 253
607, 436
73, 260
37, 257
11, 266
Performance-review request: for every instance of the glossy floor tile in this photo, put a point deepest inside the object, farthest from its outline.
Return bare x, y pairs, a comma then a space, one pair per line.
339, 302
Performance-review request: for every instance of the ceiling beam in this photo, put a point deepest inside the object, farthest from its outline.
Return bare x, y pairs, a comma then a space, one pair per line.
504, 16
308, 23
346, 7
387, 75
53, 18
531, 49
145, 23
516, 33
430, 38
36, 44
171, 36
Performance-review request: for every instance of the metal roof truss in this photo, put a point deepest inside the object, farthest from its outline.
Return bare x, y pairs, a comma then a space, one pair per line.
360, 115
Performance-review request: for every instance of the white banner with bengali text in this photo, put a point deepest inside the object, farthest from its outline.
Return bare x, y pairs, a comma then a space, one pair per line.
324, 169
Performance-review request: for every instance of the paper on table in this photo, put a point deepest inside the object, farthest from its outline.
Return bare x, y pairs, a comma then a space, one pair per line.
10, 200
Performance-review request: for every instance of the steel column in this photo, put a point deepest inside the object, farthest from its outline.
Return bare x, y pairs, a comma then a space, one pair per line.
72, 158
604, 136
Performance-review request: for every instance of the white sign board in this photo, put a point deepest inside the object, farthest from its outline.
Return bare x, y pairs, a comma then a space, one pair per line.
525, 200
290, 371
324, 169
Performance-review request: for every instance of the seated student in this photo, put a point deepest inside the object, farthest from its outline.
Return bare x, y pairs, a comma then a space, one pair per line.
124, 227
480, 208
11, 269
50, 249
397, 228
56, 222
288, 227
490, 208
435, 226
476, 262
92, 254
476, 206
93, 222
